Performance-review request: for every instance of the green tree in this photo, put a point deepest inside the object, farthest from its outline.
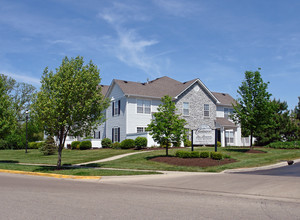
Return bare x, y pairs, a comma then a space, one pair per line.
70, 101
282, 127
7, 116
253, 109
297, 110
167, 127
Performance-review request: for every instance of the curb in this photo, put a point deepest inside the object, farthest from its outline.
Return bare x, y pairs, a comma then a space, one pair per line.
267, 167
53, 175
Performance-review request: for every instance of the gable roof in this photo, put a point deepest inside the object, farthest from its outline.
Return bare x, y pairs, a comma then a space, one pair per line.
224, 98
156, 88
104, 89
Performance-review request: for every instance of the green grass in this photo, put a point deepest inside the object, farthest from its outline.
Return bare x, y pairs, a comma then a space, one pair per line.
68, 156
141, 161
72, 171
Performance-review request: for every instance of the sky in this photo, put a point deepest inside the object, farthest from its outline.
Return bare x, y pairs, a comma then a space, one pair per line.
213, 40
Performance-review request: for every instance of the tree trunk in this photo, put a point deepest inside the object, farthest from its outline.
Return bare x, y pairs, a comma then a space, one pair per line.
59, 156
251, 139
167, 146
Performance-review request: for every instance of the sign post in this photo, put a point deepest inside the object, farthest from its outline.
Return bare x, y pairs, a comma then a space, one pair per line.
204, 136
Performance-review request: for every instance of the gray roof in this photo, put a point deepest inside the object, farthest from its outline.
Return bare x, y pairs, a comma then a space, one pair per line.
224, 98
225, 123
156, 88
104, 89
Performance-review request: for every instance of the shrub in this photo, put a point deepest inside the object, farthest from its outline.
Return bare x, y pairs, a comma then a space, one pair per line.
187, 143
85, 145
106, 143
49, 147
115, 145
285, 145
127, 144
226, 156
16, 141
3, 145
204, 154
75, 145
187, 154
140, 142
216, 156
218, 144
33, 145
182, 154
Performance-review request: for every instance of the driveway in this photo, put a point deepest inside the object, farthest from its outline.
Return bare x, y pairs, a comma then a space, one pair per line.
292, 170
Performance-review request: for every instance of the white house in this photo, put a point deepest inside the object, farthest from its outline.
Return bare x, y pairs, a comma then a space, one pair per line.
133, 103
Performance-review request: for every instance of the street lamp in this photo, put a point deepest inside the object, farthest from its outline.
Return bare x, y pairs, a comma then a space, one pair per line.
27, 112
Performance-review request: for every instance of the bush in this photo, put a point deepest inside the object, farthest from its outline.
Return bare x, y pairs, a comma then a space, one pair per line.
204, 154
85, 145
16, 141
140, 142
218, 144
49, 147
75, 145
3, 145
106, 143
187, 143
115, 145
285, 145
187, 154
216, 156
127, 144
33, 145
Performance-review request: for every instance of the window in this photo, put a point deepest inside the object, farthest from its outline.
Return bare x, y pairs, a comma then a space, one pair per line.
115, 135
140, 129
229, 137
116, 108
96, 134
227, 112
206, 110
186, 108
143, 106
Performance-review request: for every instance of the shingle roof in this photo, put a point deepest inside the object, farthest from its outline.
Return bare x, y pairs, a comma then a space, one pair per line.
224, 98
156, 88
104, 89
225, 123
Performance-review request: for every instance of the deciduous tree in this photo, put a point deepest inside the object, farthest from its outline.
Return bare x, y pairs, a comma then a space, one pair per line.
253, 109
70, 101
167, 127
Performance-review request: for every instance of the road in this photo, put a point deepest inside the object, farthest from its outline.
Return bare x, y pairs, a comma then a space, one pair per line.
178, 196
292, 170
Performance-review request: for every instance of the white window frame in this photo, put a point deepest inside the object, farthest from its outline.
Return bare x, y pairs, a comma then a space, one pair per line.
229, 137
116, 137
185, 111
206, 111
143, 106
140, 129
227, 112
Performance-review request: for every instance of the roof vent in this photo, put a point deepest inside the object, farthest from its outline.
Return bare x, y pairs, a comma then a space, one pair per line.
143, 84
223, 94
184, 83
125, 81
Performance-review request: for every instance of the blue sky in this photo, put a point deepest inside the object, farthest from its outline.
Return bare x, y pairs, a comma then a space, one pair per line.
213, 40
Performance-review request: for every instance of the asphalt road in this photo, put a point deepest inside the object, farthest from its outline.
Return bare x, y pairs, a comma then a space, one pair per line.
183, 196
288, 170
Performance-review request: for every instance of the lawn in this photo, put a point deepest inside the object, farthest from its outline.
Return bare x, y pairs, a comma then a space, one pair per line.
72, 171
68, 156
141, 161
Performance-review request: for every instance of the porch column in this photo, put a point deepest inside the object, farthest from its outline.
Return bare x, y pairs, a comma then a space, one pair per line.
222, 137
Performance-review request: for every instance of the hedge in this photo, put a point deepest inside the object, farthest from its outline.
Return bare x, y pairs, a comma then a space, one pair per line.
75, 145
127, 144
285, 145
85, 145
106, 143
140, 142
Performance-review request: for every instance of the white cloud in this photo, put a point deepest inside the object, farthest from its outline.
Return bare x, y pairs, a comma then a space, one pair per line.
130, 47
22, 78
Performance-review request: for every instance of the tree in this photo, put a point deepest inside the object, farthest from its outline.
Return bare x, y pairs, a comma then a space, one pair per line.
7, 116
70, 101
167, 127
253, 109
297, 110
282, 127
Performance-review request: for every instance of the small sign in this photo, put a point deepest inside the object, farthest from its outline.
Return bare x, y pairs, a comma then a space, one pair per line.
204, 135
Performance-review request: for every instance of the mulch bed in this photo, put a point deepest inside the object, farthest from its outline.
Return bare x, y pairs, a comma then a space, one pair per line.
199, 162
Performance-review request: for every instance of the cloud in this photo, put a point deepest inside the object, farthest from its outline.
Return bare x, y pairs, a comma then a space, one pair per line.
22, 78
129, 46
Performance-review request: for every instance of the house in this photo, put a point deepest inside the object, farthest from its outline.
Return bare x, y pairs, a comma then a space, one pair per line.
133, 104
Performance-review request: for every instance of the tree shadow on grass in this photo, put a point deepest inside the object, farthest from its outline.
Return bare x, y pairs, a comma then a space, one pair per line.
54, 168
243, 150
90, 165
162, 155
9, 161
